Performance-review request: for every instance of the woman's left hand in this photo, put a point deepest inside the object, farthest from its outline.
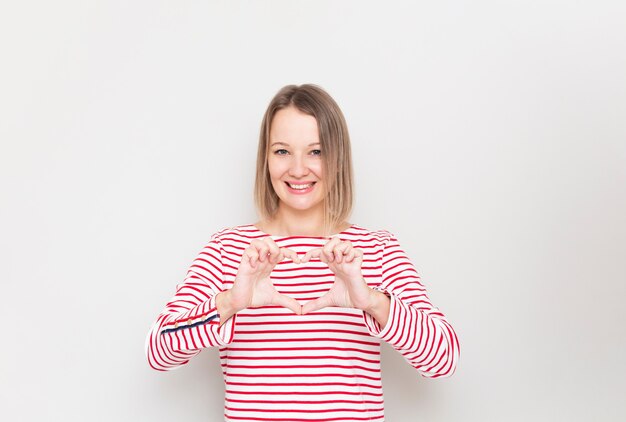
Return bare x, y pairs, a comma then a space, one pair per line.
350, 289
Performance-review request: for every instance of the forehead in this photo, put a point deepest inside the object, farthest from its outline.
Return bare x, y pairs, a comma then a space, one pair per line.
291, 126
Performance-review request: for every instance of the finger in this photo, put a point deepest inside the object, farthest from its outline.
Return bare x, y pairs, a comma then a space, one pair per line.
287, 302
348, 252
319, 303
340, 251
252, 257
254, 250
313, 253
358, 256
291, 254
274, 252
346, 247
246, 258
262, 250
350, 256
329, 247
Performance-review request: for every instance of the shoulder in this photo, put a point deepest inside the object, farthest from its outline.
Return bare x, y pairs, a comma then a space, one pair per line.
357, 232
242, 234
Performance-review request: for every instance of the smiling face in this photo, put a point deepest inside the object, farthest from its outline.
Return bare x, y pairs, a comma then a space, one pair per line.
294, 160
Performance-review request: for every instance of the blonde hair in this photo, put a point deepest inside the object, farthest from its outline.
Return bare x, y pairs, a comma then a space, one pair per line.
336, 153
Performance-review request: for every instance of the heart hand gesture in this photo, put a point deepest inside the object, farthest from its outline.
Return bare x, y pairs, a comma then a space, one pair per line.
252, 287
350, 289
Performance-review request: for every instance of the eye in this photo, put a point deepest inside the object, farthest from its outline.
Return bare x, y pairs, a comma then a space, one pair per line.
316, 152
280, 152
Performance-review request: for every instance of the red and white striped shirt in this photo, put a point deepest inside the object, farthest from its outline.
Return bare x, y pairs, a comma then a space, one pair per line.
323, 366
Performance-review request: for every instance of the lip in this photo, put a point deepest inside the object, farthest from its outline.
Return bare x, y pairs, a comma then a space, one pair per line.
300, 191
300, 182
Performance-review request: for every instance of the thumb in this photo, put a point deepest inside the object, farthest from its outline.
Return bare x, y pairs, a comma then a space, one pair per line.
287, 302
319, 303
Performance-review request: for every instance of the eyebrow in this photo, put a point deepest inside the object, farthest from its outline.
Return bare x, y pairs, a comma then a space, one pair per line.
283, 143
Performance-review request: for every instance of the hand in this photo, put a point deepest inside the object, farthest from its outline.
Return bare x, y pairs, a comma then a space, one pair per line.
349, 289
252, 287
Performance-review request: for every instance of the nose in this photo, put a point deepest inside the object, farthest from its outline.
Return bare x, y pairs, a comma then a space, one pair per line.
298, 167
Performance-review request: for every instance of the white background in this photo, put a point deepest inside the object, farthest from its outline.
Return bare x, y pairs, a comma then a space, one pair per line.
489, 136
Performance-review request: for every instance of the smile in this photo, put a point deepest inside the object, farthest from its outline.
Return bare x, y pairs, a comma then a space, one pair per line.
308, 185
300, 188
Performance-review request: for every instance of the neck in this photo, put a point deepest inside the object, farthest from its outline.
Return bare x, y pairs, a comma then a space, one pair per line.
290, 222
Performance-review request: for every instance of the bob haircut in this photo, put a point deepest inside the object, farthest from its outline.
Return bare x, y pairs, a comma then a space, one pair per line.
336, 154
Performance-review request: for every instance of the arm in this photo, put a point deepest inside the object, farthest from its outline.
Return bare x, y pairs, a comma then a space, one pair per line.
414, 327
190, 321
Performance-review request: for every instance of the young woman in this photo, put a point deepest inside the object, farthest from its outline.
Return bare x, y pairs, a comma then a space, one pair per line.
299, 302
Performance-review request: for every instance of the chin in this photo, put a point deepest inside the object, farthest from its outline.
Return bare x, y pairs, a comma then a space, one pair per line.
301, 206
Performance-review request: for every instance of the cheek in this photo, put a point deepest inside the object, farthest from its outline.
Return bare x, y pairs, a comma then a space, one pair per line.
315, 165
319, 170
273, 168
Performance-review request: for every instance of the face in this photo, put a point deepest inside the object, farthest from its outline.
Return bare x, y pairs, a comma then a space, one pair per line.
294, 160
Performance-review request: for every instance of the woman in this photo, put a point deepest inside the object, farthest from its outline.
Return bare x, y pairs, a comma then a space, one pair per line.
299, 302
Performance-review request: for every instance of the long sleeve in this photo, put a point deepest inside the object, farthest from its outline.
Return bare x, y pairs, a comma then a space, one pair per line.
190, 321
415, 328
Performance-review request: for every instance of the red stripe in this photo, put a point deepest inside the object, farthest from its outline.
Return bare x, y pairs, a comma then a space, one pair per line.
305, 357
327, 330
303, 401
302, 393
315, 339
295, 349
363, 368
302, 410
302, 384
298, 322
337, 313
338, 375
344, 419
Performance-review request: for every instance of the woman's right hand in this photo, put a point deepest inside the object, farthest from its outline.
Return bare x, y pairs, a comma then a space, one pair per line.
252, 287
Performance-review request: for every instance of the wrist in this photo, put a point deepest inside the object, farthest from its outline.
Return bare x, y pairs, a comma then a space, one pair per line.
224, 305
375, 301
379, 306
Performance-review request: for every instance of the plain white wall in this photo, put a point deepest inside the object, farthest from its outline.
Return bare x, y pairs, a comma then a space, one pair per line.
489, 136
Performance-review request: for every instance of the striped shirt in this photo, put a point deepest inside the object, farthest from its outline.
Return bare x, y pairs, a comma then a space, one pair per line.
323, 366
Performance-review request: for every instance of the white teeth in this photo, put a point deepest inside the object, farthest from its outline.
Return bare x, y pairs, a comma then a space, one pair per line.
300, 186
